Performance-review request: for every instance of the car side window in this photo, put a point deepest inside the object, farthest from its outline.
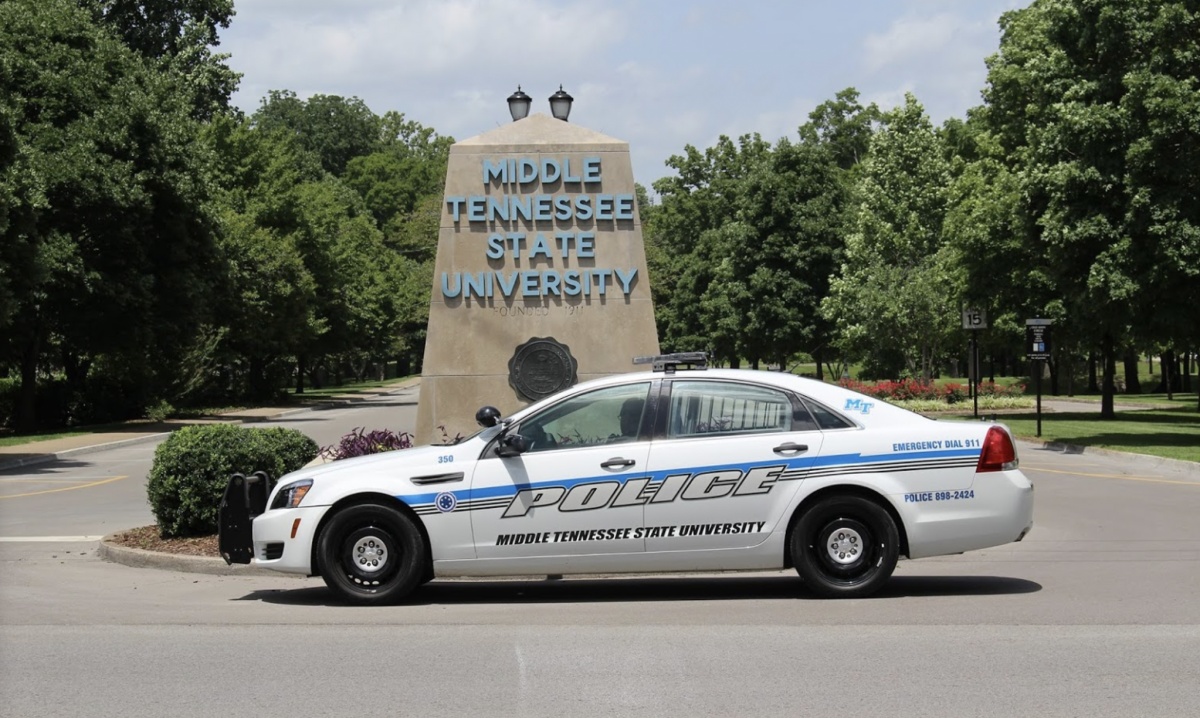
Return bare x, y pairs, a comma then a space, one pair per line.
612, 415
826, 418
708, 408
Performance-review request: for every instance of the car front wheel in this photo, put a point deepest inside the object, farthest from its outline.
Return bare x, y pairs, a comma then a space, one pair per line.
845, 547
371, 554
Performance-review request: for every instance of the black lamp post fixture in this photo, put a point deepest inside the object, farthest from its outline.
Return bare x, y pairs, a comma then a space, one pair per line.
518, 104
560, 104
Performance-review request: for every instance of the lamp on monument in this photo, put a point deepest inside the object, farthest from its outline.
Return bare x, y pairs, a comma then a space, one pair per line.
518, 104
560, 104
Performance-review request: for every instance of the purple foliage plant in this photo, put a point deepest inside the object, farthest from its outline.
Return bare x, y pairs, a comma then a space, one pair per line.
360, 442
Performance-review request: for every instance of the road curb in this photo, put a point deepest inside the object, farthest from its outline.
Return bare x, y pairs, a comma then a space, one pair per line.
139, 558
6, 464
1191, 468
68, 453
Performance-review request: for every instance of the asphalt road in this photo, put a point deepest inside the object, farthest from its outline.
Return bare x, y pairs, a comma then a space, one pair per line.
96, 494
1096, 613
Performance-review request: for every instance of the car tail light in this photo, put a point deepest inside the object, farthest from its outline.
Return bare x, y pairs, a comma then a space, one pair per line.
998, 453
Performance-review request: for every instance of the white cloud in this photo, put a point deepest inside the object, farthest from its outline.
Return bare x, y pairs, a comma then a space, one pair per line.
658, 75
310, 45
908, 38
889, 99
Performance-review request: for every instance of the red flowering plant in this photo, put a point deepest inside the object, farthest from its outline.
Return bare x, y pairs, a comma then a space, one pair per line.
911, 389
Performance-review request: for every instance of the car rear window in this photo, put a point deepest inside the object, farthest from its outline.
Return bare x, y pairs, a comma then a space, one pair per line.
826, 417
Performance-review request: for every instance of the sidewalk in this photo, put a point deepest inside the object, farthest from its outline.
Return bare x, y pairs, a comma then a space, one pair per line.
134, 432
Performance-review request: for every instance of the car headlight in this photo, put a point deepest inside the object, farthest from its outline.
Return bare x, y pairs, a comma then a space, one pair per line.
290, 496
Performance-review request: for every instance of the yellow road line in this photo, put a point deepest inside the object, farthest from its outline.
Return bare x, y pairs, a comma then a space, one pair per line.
41, 481
1117, 476
66, 488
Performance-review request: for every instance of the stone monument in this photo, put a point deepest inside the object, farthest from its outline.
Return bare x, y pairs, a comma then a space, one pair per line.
540, 280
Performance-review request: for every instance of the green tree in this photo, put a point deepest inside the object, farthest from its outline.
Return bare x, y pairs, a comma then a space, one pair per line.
1092, 104
116, 245
333, 128
177, 36
897, 293
794, 204
844, 126
703, 197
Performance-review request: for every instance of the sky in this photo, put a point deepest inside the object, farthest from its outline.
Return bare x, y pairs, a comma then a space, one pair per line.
660, 75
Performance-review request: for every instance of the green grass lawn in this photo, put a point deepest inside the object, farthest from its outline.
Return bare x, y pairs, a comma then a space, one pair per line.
19, 439
327, 391
1178, 399
1170, 433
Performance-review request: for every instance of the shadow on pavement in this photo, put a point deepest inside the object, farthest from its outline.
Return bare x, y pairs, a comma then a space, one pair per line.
44, 467
611, 590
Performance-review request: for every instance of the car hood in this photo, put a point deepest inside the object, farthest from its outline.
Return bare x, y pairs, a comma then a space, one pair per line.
416, 456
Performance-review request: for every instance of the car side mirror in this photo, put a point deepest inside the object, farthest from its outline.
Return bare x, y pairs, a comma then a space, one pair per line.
511, 445
487, 416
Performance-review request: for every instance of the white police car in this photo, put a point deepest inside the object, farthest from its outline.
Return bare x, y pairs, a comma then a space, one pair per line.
675, 470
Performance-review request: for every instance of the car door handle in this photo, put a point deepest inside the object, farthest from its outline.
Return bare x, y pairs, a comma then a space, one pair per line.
617, 463
790, 448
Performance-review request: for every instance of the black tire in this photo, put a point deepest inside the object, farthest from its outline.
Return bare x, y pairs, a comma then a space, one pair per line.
371, 554
845, 547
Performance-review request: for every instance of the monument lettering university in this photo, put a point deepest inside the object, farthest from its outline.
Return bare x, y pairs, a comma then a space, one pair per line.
540, 279
564, 208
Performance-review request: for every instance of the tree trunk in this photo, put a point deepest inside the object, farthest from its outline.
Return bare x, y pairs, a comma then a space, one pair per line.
1187, 372
300, 374
1132, 384
1109, 357
26, 400
735, 363
403, 365
1168, 370
818, 355
1053, 364
1093, 388
76, 371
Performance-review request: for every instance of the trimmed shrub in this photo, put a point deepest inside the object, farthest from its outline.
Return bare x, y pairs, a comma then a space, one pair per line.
192, 467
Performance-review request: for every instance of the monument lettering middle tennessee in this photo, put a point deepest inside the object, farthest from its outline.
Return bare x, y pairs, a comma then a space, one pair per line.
517, 174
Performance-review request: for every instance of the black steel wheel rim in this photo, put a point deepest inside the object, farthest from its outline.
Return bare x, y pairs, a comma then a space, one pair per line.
835, 538
367, 567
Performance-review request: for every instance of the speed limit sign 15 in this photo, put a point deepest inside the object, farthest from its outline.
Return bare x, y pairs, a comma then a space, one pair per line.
974, 319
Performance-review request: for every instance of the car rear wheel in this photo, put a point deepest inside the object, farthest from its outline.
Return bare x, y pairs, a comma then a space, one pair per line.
845, 547
371, 554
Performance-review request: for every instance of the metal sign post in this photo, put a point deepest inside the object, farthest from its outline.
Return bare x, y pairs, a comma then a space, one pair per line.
974, 319
1037, 350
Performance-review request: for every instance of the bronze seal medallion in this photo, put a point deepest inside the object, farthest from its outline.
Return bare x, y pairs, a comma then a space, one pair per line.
540, 367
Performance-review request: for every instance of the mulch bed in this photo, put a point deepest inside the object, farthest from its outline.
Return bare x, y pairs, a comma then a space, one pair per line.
147, 538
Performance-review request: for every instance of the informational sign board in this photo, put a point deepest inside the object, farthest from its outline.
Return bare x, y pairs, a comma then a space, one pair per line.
974, 319
1037, 339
